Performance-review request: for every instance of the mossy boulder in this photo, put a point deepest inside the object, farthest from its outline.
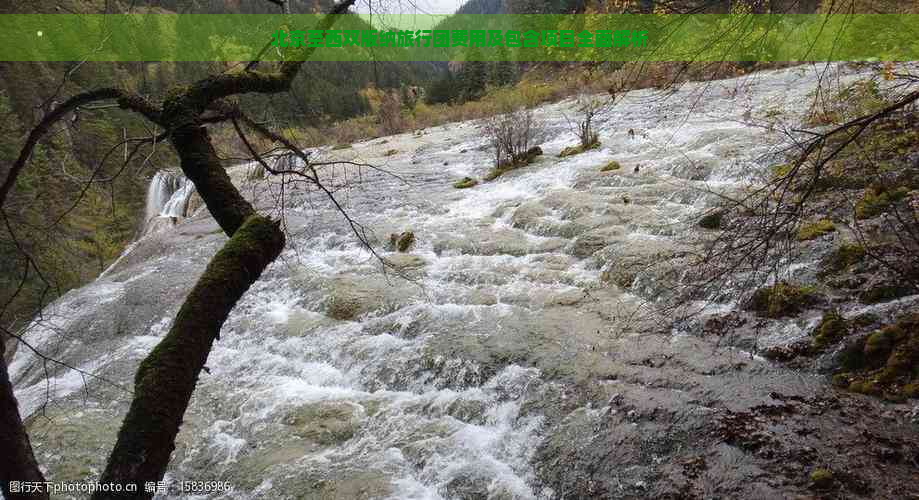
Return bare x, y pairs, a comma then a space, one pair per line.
324, 423
405, 261
465, 182
514, 163
831, 329
580, 148
883, 292
402, 242
351, 296
842, 257
711, 221
886, 362
781, 300
822, 479
611, 166
878, 200
815, 230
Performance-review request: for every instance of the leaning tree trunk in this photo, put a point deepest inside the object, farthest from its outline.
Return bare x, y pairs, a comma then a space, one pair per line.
166, 379
17, 463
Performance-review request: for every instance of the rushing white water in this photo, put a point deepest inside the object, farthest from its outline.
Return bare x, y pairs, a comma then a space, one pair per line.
333, 381
167, 195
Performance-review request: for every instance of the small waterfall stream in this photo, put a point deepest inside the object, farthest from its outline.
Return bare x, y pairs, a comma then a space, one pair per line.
167, 196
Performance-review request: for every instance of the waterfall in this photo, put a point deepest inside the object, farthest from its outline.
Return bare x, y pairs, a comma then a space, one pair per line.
167, 196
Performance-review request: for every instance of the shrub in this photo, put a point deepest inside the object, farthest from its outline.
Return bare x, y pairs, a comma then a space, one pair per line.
515, 163
711, 221
510, 135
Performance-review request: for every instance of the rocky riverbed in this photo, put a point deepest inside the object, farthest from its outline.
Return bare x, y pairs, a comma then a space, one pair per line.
512, 350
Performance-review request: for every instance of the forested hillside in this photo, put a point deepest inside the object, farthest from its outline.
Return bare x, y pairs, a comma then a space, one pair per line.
72, 241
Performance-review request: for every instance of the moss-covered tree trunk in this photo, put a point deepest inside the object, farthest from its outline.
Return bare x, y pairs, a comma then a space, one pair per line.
17, 463
166, 379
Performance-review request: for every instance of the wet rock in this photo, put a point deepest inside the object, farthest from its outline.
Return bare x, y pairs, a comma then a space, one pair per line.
79, 439
612, 166
623, 264
589, 243
402, 242
487, 240
465, 182
349, 297
468, 485
324, 423
782, 299
822, 479
405, 261
528, 214
194, 203
347, 485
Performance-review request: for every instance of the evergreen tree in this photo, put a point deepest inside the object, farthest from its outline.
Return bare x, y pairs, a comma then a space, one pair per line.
443, 90
503, 70
473, 77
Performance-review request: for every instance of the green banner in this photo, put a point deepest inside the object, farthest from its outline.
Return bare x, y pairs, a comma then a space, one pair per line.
353, 37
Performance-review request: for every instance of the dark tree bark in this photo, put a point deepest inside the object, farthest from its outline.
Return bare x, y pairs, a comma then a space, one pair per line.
17, 463
166, 379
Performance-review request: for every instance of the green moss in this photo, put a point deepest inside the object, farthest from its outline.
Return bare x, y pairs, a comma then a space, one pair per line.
782, 299
338, 147
831, 329
780, 171
611, 166
465, 182
822, 479
867, 387
521, 160
886, 362
711, 221
391, 152
852, 356
580, 148
816, 229
841, 380
879, 344
878, 200
843, 257
884, 292
911, 390
402, 242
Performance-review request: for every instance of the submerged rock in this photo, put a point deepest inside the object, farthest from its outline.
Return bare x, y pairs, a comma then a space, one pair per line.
402, 242
349, 297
